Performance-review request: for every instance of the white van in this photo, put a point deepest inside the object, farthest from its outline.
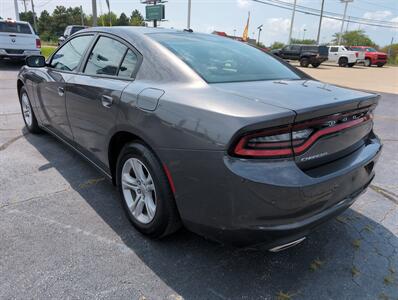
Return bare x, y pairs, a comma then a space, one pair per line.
18, 40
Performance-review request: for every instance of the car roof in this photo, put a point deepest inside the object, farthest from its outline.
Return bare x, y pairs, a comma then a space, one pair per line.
13, 21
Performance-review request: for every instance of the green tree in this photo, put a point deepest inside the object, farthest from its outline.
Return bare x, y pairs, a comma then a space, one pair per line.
123, 20
392, 53
43, 23
103, 20
354, 38
277, 45
137, 19
303, 42
27, 17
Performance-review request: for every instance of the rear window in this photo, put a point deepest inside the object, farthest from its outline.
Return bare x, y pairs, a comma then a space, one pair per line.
76, 29
218, 59
15, 27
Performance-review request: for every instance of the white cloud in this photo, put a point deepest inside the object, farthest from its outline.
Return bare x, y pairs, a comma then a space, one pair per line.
277, 26
243, 3
377, 15
394, 20
331, 24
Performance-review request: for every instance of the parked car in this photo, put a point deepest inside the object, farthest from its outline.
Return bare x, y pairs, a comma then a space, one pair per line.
204, 131
18, 40
372, 56
345, 57
69, 30
307, 54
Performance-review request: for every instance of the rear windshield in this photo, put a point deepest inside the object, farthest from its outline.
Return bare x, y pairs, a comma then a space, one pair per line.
219, 59
15, 27
76, 29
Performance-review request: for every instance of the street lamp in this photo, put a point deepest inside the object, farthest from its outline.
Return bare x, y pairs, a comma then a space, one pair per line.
304, 30
259, 33
342, 22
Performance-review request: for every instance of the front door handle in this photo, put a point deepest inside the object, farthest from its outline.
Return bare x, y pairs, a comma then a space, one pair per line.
61, 91
107, 101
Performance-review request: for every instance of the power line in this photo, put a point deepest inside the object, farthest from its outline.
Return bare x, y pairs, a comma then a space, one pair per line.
329, 15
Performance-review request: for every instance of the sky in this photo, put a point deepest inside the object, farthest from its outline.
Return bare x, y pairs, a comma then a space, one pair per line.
230, 15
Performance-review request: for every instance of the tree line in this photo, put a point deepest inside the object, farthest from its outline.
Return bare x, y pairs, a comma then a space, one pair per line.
51, 26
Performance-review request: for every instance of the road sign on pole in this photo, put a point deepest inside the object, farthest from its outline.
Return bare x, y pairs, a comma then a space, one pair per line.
154, 12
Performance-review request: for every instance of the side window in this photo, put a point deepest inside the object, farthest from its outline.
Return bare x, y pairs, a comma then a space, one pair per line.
68, 57
334, 49
128, 65
287, 48
105, 57
295, 48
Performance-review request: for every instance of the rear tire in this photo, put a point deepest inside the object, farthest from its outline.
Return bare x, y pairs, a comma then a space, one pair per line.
367, 62
145, 192
343, 62
304, 62
28, 114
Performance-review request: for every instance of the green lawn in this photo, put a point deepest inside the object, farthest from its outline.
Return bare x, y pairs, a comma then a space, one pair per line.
47, 50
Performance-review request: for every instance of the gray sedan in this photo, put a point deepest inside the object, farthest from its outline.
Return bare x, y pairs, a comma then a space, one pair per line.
206, 132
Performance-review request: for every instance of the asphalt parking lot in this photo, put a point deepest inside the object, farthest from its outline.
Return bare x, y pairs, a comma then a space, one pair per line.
64, 235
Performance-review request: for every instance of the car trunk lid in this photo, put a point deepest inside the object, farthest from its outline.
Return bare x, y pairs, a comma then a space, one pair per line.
338, 119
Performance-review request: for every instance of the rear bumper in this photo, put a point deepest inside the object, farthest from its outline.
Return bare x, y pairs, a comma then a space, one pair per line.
245, 202
22, 55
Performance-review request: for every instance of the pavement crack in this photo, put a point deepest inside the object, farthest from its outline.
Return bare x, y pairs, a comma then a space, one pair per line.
10, 142
385, 193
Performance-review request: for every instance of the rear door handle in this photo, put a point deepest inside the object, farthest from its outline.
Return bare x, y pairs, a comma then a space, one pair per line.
107, 101
61, 91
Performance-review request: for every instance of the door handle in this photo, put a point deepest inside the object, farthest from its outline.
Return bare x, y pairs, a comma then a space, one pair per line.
107, 101
61, 91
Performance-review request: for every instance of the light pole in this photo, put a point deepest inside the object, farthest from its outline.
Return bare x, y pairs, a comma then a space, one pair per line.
320, 23
342, 22
259, 33
94, 5
291, 23
304, 30
16, 10
34, 15
189, 15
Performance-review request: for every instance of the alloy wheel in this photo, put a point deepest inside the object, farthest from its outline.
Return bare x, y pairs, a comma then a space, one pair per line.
139, 190
26, 109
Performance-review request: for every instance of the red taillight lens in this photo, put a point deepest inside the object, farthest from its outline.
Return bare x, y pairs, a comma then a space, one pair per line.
356, 54
295, 140
38, 43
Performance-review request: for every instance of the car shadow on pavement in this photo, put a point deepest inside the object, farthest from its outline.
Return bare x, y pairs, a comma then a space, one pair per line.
10, 65
351, 257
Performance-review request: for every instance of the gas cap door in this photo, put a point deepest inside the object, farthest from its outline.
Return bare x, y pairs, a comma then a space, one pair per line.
148, 98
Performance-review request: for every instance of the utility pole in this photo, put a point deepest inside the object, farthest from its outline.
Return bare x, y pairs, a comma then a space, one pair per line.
94, 5
259, 33
24, 4
390, 48
320, 23
344, 15
16, 10
34, 16
81, 15
291, 23
155, 22
189, 15
348, 23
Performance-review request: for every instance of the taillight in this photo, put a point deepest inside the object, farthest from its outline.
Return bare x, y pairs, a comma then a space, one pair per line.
356, 54
38, 43
294, 140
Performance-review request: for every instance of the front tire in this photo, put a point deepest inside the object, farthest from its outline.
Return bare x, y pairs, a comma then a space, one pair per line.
145, 192
343, 62
368, 63
28, 114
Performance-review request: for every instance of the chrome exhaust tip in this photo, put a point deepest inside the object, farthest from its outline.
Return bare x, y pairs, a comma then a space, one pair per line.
286, 246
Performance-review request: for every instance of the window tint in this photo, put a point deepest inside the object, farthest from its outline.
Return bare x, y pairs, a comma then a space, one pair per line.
68, 57
105, 57
219, 59
15, 27
295, 48
128, 65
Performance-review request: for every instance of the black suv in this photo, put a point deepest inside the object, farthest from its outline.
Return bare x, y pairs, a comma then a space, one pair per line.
306, 54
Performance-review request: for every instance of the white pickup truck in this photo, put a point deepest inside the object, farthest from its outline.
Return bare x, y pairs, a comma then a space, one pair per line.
18, 40
344, 57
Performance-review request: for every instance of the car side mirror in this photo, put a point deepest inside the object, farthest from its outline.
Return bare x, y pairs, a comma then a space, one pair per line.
35, 61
